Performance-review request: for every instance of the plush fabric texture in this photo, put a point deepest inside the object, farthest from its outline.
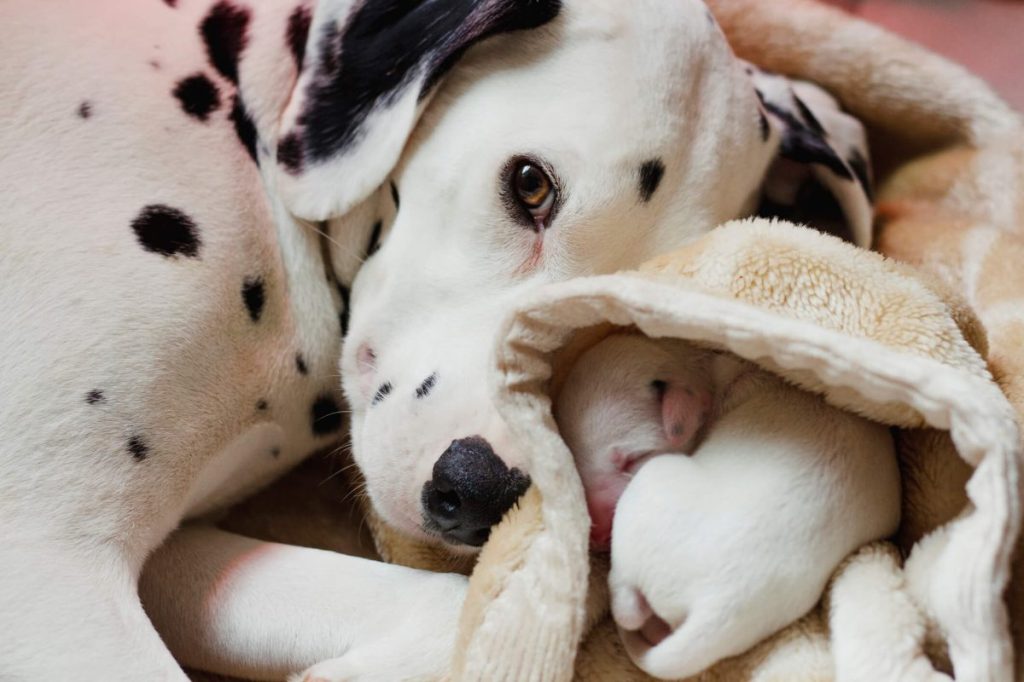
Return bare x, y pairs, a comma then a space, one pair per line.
900, 359
924, 348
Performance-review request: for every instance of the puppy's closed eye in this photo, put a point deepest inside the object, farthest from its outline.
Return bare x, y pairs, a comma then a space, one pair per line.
659, 387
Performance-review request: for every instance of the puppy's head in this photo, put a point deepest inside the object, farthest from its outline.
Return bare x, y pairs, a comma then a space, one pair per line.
626, 400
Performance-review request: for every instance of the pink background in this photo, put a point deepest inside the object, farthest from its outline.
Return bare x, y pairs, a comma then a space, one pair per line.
987, 36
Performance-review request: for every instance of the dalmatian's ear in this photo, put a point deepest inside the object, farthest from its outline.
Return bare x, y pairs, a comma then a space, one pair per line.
369, 69
821, 174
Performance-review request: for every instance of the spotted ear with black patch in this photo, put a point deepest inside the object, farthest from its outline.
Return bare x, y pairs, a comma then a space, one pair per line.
368, 70
820, 176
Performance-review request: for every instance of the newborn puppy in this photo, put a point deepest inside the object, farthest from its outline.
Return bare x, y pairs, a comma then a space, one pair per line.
715, 551
627, 400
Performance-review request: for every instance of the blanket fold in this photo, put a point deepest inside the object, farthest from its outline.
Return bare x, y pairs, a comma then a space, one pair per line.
883, 344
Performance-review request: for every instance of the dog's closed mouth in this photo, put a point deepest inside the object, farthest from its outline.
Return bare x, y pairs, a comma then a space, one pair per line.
449, 535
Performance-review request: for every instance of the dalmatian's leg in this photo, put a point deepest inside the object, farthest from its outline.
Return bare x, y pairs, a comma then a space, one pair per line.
261, 610
70, 611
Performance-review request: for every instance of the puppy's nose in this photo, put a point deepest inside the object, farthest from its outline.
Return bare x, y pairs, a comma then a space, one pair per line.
470, 491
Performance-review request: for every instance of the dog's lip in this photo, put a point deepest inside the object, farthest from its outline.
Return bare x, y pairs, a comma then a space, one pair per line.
432, 529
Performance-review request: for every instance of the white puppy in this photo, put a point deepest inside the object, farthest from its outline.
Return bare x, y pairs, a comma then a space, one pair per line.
712, 553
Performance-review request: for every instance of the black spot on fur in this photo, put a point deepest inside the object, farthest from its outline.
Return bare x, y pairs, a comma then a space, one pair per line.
224, 34
85, 109
394, 196
300, 364
289, 152
383, 392
198, 96
427, 386
326, 415
298, 30
275, 452
95, 396
860, 168
651, 173
812, 121
766, 130
814, 206
659, 386
254, 296
262, 405
802, 144
138, 448
367, 62
155, 64
245, 129
374, 244
171, 3
167, 231
503, 17
344, 293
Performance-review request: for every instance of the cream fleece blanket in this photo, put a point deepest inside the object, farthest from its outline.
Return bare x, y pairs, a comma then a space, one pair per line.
864, 332
904, 347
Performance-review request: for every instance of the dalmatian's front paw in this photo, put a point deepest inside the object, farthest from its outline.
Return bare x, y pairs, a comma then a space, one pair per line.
407, 635
337, 670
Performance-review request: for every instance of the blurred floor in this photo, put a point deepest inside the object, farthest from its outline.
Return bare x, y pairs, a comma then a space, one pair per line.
987, 36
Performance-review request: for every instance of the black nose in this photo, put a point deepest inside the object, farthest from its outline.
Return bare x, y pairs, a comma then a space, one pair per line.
470, 492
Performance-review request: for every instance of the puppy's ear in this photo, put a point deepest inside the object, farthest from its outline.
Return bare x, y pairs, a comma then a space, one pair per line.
821, 174
368, 71
684, 410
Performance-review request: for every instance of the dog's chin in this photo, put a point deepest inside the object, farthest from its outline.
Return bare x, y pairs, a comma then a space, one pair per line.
420, 529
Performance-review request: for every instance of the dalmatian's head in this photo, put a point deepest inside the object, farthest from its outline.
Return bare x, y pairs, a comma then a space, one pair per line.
580, 137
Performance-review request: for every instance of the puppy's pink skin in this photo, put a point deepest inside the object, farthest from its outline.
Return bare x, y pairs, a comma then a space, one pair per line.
603, 494
683, 412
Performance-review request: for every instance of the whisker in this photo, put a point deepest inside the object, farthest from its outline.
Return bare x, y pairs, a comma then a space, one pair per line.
313, 226
333, 414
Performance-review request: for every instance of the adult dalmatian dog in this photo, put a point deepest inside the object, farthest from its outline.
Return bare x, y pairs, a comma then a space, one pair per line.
190, 188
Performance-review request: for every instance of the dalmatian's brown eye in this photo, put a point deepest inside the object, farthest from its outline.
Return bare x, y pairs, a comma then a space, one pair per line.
533, 187
533, 191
